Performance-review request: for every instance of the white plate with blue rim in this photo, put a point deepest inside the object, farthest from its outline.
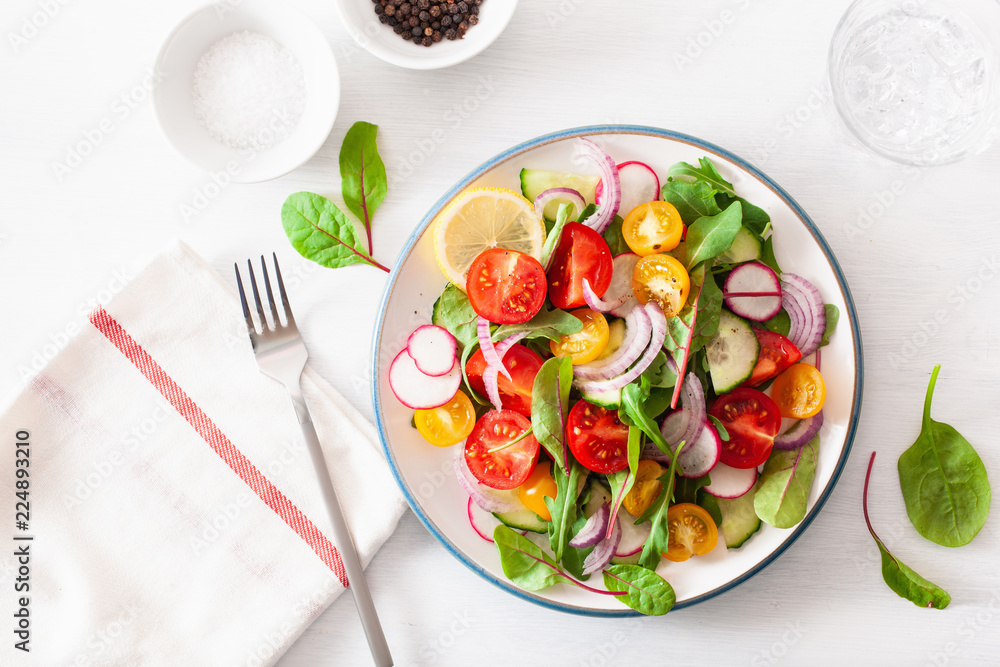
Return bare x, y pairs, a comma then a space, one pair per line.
425, 473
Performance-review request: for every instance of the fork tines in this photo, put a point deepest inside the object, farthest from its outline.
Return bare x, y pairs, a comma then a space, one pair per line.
286, 310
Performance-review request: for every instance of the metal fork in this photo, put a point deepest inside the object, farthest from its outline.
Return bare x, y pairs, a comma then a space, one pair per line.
282, 355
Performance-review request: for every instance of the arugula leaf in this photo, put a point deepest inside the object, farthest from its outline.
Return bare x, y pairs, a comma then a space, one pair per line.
705, 172
899, 577
320, 232
755, 218
720, 427
767, 254
363, 183
780, 323
712, 235
524, 562
562, 508
632, 413
783, 488
613, 237
659, 535
692, 200
623, 480
552, 324
944, 482
646, 591
659, 373
832, 317
549, 406
554, 235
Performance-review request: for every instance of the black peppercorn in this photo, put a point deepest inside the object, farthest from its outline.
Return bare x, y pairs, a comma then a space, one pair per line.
445, 21
423, 4
398, 29
428, 21
452, 8
450, 33
435, 11
416, 32
414, 21
473, 20
436, 25
436, 36
405, 8
462, 6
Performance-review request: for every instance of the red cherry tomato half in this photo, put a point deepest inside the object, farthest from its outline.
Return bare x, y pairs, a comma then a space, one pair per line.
752, 420
597, 438
776, 354
515, 393
506, 286
581, 253
494, 465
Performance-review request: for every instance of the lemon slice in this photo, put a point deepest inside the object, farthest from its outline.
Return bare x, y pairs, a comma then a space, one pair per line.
480, 219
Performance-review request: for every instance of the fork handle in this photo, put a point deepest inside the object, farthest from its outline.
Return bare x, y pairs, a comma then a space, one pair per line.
348, 552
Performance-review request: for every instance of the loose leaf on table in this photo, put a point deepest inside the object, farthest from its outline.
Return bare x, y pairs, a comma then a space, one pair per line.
524, 562
705, 171
320, 232
783, 489
552, 324
613, 236
710, 236
562, 508
898, 576
944, 482
755, 218
692, 200
658, 541
549, 406
832, 317
646, 591
363, 183
622, 481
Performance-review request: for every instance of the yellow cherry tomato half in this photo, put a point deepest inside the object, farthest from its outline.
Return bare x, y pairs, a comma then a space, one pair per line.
586, 344
449, 424
692, 532
652, 227
646, 488
663, 279
800, 391
533, 490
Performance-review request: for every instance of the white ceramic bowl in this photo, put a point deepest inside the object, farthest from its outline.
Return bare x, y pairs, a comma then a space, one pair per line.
379, 39
173, 101
425, 473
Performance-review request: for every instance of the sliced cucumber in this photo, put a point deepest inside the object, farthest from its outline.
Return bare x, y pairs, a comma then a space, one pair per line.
627, 560
523, 520
599, 495
739, 520
732, 353
536, 181
611, 399
616, 334
745, 248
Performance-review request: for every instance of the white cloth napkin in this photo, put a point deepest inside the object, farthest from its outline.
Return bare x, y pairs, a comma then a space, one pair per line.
148, 547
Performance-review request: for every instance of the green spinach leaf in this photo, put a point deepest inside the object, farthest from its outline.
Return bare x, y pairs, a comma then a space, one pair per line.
572, 558
898, 576
767, 254
632, 412
944, 482
713, 235
613, 237
363, 183
755, 218
705, 171
549, 406
692, 200
832, 317
622, 481
320, 232
552, 324
783, 488
646, 591
780, 323
453, 311
524, 562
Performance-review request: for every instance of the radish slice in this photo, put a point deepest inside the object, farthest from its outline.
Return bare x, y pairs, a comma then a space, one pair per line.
602, 306
433, 349
753, 291
800, 433
490, 500
638, 329
621, 283
639, 184
609, 176
633, 536
593, 531
698, 458
482, 521
602, 554
805, 311
659, 333
729, 482
418, 390
568, 195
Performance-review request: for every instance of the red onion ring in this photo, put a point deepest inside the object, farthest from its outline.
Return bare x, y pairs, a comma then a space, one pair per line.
638, 329
612, 186
658, 334
491, 500
491, 375
596, 303
565, 194
806, 312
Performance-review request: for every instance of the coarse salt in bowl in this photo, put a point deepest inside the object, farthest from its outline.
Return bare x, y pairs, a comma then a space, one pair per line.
247, 90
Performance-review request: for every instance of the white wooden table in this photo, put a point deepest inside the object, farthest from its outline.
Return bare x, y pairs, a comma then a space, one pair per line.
919, 248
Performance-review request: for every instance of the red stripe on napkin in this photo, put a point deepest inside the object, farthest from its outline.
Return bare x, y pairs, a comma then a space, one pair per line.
218, 441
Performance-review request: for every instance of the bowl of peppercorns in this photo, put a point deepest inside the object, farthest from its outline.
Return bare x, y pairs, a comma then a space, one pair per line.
425, 34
